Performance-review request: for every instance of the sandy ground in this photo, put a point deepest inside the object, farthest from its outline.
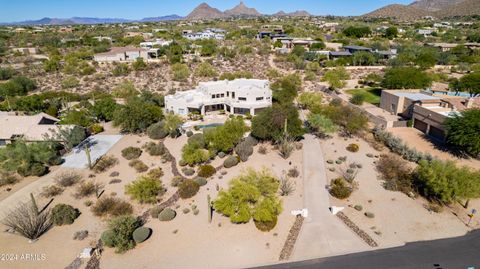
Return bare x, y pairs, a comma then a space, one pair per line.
415, 138
398, 218
198, 243
220, 244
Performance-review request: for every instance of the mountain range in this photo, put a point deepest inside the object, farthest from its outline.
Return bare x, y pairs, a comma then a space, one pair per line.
87, 20
422, 8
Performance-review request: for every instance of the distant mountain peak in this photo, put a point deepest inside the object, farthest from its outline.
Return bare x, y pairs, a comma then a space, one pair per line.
242, 10
204, 11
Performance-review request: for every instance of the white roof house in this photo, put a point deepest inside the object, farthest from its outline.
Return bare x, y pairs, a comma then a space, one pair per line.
121, 54
239, 96
207, 34
157, 42
30, 128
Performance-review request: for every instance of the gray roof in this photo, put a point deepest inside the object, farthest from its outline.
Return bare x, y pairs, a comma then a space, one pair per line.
354, 47
340, 53
416, 96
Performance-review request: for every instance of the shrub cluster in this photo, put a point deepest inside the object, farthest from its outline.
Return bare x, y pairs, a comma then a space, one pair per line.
339, 188
188, 188
105, 163
111, 206
63, 214
120, 233
138, 165
131, 153
155, 149
206, 171
145, 189
396, 173
157, 131
68, 178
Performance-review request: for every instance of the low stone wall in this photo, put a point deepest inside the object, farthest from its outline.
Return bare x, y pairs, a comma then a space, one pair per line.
365, 237
291, 239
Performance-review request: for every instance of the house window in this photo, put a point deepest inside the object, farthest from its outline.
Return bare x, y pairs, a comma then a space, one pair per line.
259, 98
218, 95
233, 95
222, 95
242, 99
213, 96
228, 94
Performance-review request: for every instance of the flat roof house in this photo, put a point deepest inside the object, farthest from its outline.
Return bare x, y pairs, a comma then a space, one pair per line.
122, 54
239, 96
29, 128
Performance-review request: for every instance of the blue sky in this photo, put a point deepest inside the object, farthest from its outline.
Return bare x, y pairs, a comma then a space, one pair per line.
15, 10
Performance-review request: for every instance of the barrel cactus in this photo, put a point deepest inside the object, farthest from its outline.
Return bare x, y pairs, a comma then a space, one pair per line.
167, 214
141, 234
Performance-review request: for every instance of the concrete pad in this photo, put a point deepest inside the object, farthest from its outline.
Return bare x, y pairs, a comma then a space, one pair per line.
99, 145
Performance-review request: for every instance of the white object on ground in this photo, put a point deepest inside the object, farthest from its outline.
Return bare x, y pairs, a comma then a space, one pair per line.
336, 209
303, 212
86, 253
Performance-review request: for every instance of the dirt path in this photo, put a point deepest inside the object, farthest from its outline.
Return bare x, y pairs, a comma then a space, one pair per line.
322, 233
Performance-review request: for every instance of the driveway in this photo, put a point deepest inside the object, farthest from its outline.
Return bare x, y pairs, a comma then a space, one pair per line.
322, 234
99, 145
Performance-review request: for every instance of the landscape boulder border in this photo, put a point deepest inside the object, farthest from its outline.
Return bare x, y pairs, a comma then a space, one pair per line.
363, 235
291, 238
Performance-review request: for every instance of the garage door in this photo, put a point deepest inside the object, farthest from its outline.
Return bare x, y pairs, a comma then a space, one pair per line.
420, 125
437, 133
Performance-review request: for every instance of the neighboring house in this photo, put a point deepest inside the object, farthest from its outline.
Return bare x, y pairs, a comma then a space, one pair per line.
386, 54
427, 111
339, 54
239, 96
210, 33
102, 38
29, 128
122, 54
353, 48
426, 31
156, 43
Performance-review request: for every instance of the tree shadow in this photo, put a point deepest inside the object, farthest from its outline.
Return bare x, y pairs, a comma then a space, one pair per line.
442, 146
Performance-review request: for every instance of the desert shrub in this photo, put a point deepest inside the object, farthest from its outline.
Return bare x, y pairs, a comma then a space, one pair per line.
201, 181
80, 235
154, 149
176, 181
157, 131
189, 133
111, 206
353, 148
145, 189
7, 179
339, 189
26, 221
231, 161
51, 191
293, 172
188, 171
198, 139
63, 214
396, 173
206, 171
138, 165
95, 128
141, 234
266, 226
105, 163
120, 233
131, 153
287, 187
188, 188
167, 214
244, 149
68, 178
87, 188
262, 150
182, 163
193, 153
156, 173
286, 146
357, 99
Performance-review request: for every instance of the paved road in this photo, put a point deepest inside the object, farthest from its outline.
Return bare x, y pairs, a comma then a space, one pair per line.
453, 253
322, 234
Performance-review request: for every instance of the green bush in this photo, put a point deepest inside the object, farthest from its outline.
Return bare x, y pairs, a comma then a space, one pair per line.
201, 181
188, 171
145, 189
340, 189
167, 214
231, 161
176, 181
266, 226
353, 148
138, 165
105, 163
357, 99
189, 133
95, 128
156, 173
192, 154
131, 153
120, 233
141, 234
206, 171
157, 131
63, 214
188, 188
198, 139
155, 149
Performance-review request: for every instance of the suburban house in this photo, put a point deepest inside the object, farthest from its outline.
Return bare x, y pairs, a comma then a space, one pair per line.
426, 31
155, 43
122, 54
210, 33
427, 111
239, 96
29, 128
353, 48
